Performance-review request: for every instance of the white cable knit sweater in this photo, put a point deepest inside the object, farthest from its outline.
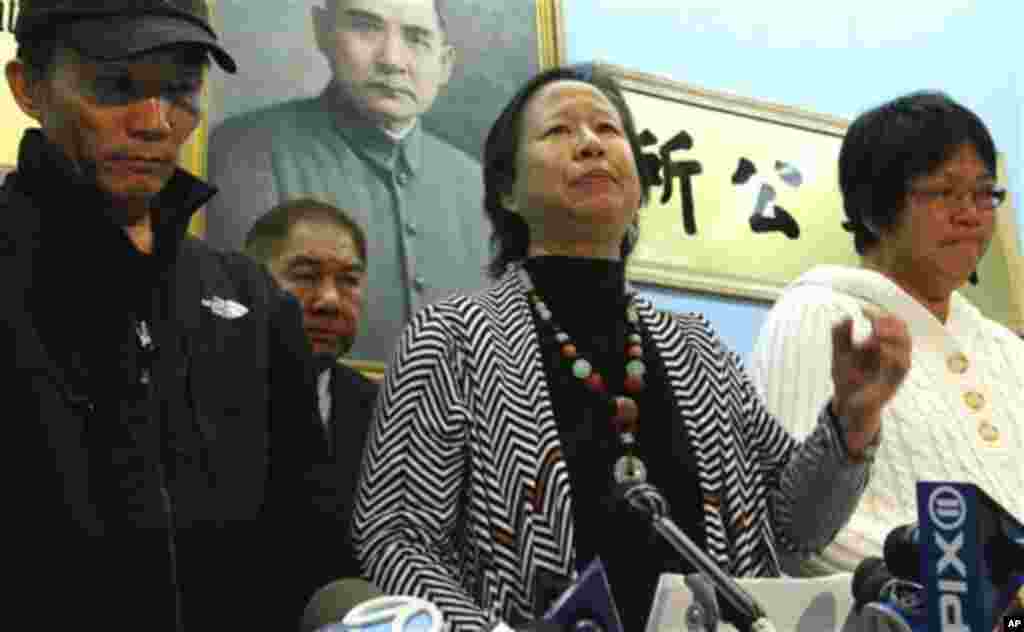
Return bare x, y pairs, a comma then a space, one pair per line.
958, 416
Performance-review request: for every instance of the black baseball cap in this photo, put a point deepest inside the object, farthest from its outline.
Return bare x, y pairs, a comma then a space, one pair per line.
115, 29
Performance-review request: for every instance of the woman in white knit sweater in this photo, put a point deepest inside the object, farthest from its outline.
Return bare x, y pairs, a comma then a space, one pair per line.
918, 181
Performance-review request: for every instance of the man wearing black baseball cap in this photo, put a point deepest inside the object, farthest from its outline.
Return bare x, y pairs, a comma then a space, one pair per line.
160, 410
109, 29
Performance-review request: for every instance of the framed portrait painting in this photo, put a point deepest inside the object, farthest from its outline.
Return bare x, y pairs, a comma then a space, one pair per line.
498, 45
379, 110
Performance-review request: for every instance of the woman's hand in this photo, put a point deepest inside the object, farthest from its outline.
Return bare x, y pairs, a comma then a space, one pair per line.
867, 374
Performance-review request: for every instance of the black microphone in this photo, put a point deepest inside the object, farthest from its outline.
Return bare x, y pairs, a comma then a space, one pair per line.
902, 551
868, 579
873, 581
647, 500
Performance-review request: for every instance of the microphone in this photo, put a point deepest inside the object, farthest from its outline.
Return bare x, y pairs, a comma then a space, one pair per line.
971, 550
873, 581
353, 604
902, 551
886, 603
647, 500
1003, 552
587, 605
395, 613
331, 603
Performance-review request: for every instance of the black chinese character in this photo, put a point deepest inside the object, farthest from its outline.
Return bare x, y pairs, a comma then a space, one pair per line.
768, 217
650, 164
684, 170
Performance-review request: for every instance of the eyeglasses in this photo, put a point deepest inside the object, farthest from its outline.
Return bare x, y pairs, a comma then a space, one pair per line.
985, 198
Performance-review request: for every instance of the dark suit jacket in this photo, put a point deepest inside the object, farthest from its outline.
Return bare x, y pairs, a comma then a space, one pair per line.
352, 400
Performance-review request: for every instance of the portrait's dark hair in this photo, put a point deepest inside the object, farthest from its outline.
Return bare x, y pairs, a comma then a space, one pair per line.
264, 239
887, 147
439, 9
511, 238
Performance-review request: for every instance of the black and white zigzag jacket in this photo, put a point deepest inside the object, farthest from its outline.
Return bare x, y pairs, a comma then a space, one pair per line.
464, 497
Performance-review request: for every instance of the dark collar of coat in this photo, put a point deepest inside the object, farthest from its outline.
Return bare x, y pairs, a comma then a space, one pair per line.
52, 185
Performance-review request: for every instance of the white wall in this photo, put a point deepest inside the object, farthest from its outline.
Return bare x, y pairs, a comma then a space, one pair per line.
12, 120
831, 58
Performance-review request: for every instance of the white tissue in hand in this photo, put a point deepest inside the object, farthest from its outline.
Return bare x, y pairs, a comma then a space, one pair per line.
862, 330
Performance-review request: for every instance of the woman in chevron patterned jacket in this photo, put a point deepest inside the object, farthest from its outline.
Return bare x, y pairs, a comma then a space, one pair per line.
509, 418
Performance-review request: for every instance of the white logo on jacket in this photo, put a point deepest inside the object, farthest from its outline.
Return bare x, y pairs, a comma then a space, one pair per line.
225, 308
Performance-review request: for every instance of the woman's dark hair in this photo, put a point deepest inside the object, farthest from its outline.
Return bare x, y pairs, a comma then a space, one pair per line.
887, 147
511, 238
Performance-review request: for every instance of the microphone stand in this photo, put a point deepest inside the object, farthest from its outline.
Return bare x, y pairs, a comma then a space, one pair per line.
646, 499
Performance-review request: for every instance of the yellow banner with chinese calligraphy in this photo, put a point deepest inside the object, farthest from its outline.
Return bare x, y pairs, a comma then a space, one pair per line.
747, 198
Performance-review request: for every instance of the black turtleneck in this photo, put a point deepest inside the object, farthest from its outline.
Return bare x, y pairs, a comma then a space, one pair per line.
587, 299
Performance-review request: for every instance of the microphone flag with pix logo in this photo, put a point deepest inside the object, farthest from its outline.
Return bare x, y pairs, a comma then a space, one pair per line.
968, 543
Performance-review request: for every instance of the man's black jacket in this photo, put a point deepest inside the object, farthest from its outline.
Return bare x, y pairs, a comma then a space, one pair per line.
148, 488
353, 397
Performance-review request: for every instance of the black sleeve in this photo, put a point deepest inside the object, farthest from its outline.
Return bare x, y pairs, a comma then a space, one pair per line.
353, 400
297, 437
300, 529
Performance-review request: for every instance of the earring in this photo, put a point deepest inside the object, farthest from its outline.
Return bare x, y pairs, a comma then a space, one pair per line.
508, 203
870, 225
632, 235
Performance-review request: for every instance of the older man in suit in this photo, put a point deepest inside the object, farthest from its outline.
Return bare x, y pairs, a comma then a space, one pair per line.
318, 253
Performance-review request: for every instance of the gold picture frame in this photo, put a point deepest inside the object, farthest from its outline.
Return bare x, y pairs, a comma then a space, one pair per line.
371, 370
192, 158
1007, 246
550, 33
735, 157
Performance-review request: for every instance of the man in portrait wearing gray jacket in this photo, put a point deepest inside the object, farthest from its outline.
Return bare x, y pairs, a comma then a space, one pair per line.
360, 145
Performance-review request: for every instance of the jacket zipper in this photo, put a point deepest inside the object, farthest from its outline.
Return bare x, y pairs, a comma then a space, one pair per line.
147, 353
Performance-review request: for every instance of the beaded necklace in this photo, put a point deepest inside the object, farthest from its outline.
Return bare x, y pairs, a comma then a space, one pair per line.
623, 409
